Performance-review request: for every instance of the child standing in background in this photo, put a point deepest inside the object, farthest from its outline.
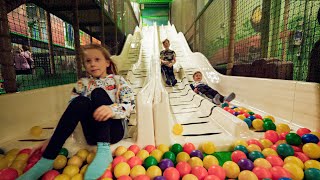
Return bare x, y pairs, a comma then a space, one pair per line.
101, 112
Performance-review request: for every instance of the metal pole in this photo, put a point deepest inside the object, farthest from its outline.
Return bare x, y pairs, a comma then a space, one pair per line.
77, 37
232, 35
50, 43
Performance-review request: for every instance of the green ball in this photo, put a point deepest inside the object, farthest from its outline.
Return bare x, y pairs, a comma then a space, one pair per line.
255, 155
267, 119
169, 155
64, 152
241, 148
251, 113
150, 161
285, 150
176, 148
267, 125
293, 139
224, 105
312, 174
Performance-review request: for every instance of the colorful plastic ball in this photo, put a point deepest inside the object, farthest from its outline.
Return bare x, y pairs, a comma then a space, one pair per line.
176, 148
133, 161
271, 135
62, 177
255, 155
134, 148
262, 173
257, 124
257, 116
117, 160
232, 169
128, 154
282, 136
284, 178
64, 152
317, 133
157, 154
268, 125
211, 177
245, 164
270, 117
301, 156
143, 154
251, 113
281, 128
241, 116
312, 164
225, 104
296, 149
195, 161
208, 147
269, 151
217, 171
50, 175
240, 142
177, 129
247, 115
293, 139
150, 161
253, 147
281, 142
153, 172
183, 168
303, 131
256, 142
275, 160
200, 172
149, 148
266, 143
107, 174
71, 170
278, 172
235, 113
169, 155
159, 178
209, 161
237, 156
295, 171
142, 177
162, 147
8, 174
137, 170
196, 153
182, 157
120, 178
311, 150
285, 150
267, 119
188, 147
251, 117
294, 160
59, 163
309, 138
311, 174
247, 175
189, 177
241, 148
171, 173
261, 162
165, 163
248, 121
121, 169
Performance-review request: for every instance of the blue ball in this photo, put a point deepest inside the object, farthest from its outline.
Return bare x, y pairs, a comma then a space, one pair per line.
245, 164
241, 148
233, 107
235, 113
252, 118
310, 138
248, 121
160, 178
196, 153
284, 178
165, 163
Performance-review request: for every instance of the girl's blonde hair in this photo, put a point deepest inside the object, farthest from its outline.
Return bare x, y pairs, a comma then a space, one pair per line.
112, 69
196, 73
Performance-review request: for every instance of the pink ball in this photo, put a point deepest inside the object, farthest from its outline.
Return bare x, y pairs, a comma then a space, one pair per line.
171, 173
134, 148
296, 148
256, 142
278, 172
282, 135
272, 136
275, 160
238, 155
133, 161
200, 172
183, 168
118, 160
50, 175
257, 116
8, 174
211, 177
246, 115
303, 157
217, 171
303, 131
274, 147
125, 177
107, 174
150, 148
142, 177
188, 147
262, 172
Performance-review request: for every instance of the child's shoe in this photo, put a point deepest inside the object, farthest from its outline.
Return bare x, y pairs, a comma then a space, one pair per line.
168, 82
230, 97
216, 99
174, 82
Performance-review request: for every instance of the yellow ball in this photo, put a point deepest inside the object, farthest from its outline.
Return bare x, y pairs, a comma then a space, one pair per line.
75, 160
4, 163
182, 157
13, 152
316, 133
270, 117
143, 154
60, 162
294, 160
266, 143
36, 131
129, 154
90, 157
281, 142
195, 161
311, 164
120, 150
177, 129
164, 148
77, 177
280, 128
257, 124
157, 154
312, 150
106, 178
137, 170
208, 147
295, 171
62, 177
240, 142
22, 157
83, 153
231, 168
189, 177
261, 162
253, 147
71, 170
247, 175
268, 151
121, 169
84, 169
209, 161
153, 171
240, 116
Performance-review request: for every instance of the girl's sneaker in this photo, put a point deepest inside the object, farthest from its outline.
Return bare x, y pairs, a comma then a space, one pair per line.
230, 97
216, 99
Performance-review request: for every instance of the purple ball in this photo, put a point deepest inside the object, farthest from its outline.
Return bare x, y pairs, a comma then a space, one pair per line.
159, 178
245, 164
165, 163
196, 153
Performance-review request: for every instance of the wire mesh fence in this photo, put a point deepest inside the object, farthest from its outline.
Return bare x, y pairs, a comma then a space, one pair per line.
273, 39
